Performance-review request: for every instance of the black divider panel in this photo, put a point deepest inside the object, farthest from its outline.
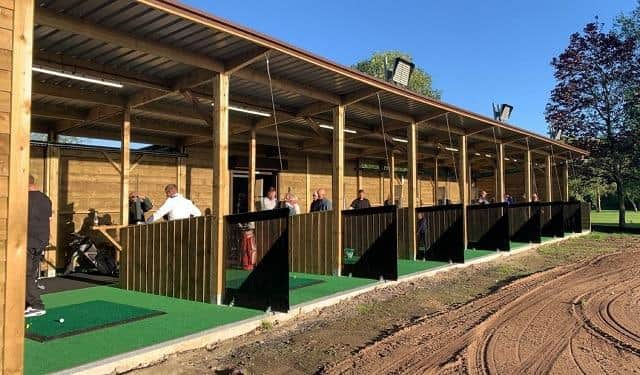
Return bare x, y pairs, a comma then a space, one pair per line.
256, 272
524, 222
488, 226
370, 245
585, 215
404, 249
551, 219
571, 217
444, 236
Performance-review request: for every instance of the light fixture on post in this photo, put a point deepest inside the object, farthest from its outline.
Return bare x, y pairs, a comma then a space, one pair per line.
63, 74
401, 72
502, 112
330, 127
399, 140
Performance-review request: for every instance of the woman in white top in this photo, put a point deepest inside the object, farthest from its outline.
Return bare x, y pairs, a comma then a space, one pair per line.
291, 201
270, 202
175, 207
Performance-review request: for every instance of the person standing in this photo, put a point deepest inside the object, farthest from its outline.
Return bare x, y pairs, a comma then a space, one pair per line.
314, 202
291, 202
138, 206
270, 202
37, 239
482, 199
175, 207
360, 202
323, 203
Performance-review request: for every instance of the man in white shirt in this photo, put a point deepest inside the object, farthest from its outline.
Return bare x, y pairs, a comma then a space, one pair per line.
270, 202
175, 207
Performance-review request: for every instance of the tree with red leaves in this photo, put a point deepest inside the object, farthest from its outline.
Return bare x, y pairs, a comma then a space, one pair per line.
595, 104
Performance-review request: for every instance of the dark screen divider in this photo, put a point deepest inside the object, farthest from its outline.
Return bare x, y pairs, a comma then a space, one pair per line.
443, 239
585, 215
571, 217
488, 226
256, 255
370, 245
524, 222
404, 249
551, 219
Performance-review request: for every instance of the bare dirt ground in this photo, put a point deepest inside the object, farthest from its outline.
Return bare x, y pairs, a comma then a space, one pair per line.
566, 308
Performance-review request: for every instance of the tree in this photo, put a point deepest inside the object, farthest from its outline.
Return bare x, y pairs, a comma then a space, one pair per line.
419, 82
593, 104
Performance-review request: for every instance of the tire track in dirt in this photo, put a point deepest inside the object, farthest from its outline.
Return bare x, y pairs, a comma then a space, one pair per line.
569, 319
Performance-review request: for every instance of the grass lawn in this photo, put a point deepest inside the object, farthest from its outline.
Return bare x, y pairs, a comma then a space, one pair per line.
610, 217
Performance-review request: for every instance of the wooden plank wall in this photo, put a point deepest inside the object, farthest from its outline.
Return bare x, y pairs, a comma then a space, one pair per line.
173, 259
310, 246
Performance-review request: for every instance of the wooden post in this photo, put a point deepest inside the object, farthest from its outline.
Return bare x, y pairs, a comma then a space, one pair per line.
181, 172
500, 189
307, 182
381, 181
565, 185
358, 175
549, 179
392, 177
220, 183
337, 190
16, 51
251, 189
435, 181
125, 154
51, 188
413, 181
464, 194
527, 175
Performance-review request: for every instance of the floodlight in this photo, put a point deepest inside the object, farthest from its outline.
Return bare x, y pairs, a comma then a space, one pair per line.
503, 112
402, 70
250, 111
451, 149
63, 74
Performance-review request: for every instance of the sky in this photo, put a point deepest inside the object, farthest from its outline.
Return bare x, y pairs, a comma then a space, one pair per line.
478, 52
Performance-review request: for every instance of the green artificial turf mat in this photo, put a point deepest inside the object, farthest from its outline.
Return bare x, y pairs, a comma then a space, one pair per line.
235, 277
545, 238
518, 245
79, 318
181, 318
406, 266
327, 286
472, 254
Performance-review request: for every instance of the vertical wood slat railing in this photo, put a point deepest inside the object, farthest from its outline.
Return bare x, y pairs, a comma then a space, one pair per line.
524, 222
372, 234
310, 244
171, 258
585, 215
488, 226
444, 238
572, 218
404, 248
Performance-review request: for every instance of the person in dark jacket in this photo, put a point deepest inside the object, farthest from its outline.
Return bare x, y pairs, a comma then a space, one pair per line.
323, 203
138, 206
37, 239
361, 201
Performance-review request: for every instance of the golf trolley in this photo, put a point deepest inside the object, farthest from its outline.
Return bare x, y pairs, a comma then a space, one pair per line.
87, 257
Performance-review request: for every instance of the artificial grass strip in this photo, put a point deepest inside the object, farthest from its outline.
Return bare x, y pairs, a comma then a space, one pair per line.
182, 318
518, 245
235, 277
547, 239
407, 267
472, 254
69, 320
327, 286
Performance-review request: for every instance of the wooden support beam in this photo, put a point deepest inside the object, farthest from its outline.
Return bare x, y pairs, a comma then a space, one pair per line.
527, 175
198, 107
549, 179
17, 45
337, 182
413, 186
85, 96
356, 96
125, 155
181, 173
436, 175
392, 178
243, 60
220, 183
500, 174
251, 189
565, 181
52, 186
464, 192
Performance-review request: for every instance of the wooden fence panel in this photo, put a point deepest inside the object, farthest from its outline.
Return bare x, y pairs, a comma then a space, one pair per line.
443, 239
524, 222
585, 215
488, 226
404, 231
372, 235
256, 258
310, 245
170, 259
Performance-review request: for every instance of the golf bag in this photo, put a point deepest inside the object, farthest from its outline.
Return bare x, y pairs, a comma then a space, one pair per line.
88, 257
